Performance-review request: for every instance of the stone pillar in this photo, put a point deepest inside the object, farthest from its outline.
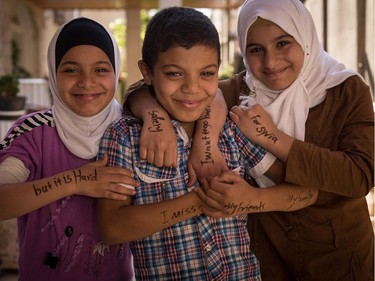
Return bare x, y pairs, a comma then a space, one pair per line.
169, 3
7, 10
133, 45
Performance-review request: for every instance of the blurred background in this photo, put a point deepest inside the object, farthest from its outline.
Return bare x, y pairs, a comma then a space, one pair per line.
345, 27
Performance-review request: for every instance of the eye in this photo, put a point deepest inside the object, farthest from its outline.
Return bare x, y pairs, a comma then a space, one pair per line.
254, 50
173, 74
207, 74
102, 69
282, 43
70, 70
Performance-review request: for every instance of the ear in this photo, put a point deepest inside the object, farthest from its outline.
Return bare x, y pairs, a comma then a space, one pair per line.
145, 72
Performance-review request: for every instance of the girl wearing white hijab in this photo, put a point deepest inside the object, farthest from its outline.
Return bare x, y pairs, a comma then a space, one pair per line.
48, 175
321, 123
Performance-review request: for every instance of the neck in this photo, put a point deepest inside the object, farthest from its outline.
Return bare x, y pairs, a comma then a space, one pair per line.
189, 128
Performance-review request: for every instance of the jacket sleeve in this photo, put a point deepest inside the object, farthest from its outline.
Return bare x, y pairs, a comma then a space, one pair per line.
232, 88
338, 153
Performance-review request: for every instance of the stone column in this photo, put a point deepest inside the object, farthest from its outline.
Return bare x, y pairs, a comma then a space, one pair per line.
133, 45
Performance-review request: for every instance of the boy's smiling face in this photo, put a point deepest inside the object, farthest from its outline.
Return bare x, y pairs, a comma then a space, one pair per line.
185, 80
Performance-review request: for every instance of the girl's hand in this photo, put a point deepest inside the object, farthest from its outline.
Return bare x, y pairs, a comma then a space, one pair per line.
100, 181
158, 143
255, 123
225, 195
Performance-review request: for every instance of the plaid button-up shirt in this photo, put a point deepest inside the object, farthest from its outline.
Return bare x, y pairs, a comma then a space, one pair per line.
200, 248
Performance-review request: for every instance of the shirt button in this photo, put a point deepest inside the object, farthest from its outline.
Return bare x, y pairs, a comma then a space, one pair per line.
292, 234
69, 231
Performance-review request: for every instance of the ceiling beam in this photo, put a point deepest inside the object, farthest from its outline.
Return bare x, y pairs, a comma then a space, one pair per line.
132, 4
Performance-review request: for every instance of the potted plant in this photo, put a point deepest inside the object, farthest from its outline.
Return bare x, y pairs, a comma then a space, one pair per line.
9, 101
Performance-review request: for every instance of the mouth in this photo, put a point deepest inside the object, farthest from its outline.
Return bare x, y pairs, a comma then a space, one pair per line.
189, 104
87, 96
275, 73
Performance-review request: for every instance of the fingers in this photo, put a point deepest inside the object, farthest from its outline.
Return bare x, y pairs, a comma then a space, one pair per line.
192, 175
207, 201
122, 189
101, 162
117, 174
165, 158
213, 213
160, 157
235, 109
143, 153
227, 176
212, 191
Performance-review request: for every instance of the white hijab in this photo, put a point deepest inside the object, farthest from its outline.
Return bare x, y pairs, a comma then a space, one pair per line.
289, 108
81, 135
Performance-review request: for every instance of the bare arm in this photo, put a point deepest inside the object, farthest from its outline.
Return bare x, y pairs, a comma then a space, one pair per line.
205, 159
121, 222
93, 179
231, 195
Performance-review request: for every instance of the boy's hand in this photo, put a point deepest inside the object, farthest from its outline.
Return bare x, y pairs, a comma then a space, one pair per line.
99, 181
200, 167
158, 143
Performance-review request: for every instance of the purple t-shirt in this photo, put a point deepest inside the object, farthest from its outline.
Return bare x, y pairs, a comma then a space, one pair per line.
59, 241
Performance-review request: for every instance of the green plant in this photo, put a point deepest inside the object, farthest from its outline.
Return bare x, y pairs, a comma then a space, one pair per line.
9, 85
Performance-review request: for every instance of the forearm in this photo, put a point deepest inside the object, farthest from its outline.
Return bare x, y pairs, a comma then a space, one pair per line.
347, 172
280, 145
142, 102
119, 222
209, 126
282, 197
205, 159
286, 197
17, 199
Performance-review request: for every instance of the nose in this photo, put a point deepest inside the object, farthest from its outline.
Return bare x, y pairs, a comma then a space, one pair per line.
190, 85
86, 81
270, 59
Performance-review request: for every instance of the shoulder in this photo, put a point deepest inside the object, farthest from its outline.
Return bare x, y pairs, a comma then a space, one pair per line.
232, 88
124, 123
123, 130
354, 87
28, 123
352, 95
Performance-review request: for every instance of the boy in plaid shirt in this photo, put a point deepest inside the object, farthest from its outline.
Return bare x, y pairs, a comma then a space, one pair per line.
171, 238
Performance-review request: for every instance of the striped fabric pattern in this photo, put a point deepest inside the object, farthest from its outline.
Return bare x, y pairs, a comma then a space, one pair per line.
31, 121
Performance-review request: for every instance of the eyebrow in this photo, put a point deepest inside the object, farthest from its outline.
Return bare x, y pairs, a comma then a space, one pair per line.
278, 38
76, 63
177, 66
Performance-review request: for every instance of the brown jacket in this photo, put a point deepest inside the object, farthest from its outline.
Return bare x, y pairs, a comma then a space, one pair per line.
333, 239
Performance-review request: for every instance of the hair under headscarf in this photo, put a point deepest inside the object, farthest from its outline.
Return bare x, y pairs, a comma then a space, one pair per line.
289, 108
81, 135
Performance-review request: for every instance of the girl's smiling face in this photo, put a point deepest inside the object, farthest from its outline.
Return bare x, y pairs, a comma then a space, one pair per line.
86, 80
274, 57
